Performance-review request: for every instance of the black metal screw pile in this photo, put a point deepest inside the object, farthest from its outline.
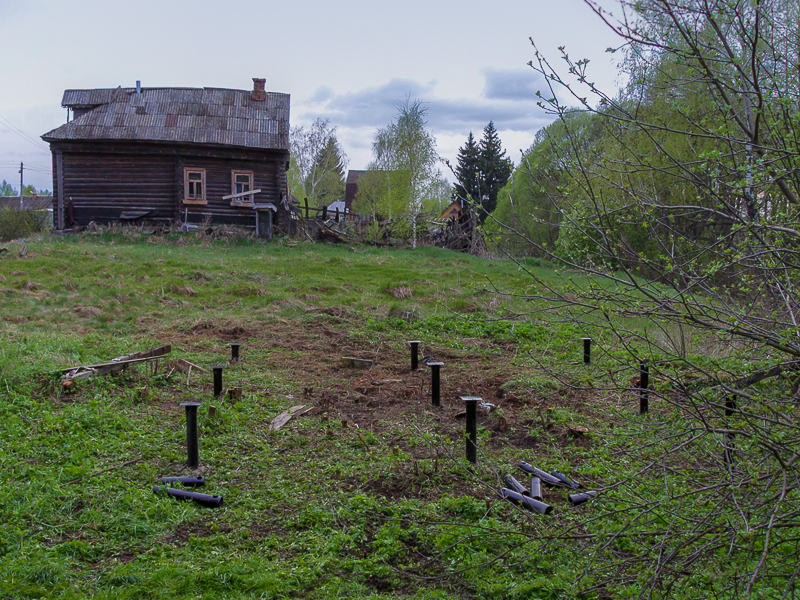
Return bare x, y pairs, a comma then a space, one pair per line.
217, 381
730, 406
471, 427
193, 461
192, 447
587, 350
234, 352
435, 383
414, 356
644, 382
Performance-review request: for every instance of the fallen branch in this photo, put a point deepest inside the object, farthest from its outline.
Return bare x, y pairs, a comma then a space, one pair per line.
761, 375
125, 464
185, 363
752, 379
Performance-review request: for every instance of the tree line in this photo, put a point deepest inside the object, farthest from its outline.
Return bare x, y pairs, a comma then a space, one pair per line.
404, 184
6, 189
672, 206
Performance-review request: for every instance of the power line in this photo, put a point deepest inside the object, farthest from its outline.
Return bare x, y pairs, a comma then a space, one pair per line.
27, 168
16, 130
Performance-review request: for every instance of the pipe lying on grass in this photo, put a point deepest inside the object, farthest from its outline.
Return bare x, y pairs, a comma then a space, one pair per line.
528, 503
536, 488
515, 485
566, 480
202, 499
576, 499
546, 478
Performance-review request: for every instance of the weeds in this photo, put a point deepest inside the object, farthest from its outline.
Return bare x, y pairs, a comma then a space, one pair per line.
15, 224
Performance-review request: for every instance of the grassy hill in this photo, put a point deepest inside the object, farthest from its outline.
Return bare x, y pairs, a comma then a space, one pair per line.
366, 495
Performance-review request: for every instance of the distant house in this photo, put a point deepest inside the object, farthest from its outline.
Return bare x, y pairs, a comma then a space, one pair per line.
351, 188
172, 155
336, 205
34, 202
453, 211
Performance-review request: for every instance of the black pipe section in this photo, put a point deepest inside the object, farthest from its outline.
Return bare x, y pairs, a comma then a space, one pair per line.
546, 478
192, 448
202, 499
234, 352
217, 381
471, 427
644, 382
435, 383
536, 488
529, 503
515, 485
587, 351
729, 449
576, 499
730, 405
188, 481
566, 480
414, 356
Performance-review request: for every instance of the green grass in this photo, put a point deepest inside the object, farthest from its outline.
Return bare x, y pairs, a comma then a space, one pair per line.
317, 510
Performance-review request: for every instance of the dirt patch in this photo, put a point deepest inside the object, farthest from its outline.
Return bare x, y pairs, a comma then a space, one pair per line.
385, 407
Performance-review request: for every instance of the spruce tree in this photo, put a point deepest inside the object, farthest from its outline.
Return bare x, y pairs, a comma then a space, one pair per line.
468, 171
329, 168
495, 168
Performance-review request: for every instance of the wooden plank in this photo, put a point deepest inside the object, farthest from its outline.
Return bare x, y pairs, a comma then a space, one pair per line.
287, 415
157, 351
126, 215
240, 194
120, 362
185, 363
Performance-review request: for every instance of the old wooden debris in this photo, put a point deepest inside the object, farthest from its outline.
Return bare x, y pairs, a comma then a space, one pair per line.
356, 363
185, 364
115, 365
287, 415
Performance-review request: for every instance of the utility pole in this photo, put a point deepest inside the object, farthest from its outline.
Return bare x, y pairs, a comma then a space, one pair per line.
21, 206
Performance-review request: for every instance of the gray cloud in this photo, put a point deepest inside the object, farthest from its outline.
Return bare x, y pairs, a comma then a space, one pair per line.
508, 99
371, 107
512, 84
322, 94
462, 116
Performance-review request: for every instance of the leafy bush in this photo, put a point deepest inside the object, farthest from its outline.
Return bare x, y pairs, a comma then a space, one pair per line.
20, 223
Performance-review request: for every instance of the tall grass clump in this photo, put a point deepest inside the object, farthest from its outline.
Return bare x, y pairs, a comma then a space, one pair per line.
21, 223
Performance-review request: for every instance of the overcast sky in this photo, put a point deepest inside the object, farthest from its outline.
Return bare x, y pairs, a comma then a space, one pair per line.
351, 62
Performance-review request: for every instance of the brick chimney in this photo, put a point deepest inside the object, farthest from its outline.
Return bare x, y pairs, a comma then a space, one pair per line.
258, 94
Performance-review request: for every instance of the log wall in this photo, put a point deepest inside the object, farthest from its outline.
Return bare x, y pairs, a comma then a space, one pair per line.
104, 180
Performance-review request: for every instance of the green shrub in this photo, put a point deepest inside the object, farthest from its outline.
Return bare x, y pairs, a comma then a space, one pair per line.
21, 223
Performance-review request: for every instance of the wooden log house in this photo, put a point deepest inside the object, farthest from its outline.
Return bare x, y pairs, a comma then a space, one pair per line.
172, 155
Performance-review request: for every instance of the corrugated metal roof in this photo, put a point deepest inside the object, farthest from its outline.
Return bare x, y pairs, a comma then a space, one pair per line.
195, 116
